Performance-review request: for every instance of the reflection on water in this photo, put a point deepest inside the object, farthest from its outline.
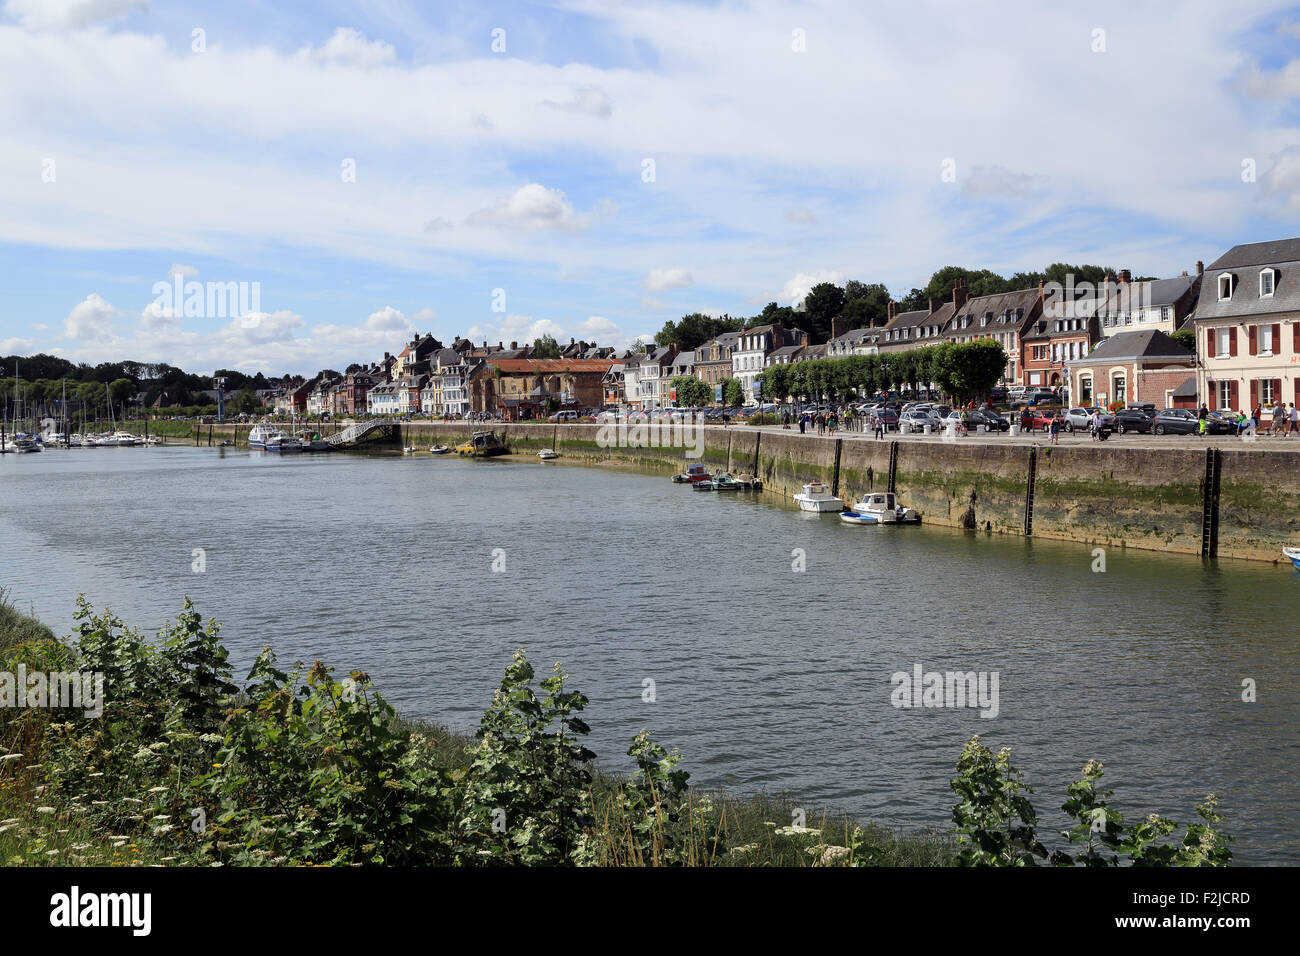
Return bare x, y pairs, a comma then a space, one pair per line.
764, 677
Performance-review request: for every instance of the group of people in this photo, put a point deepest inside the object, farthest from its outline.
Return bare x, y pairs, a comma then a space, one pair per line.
824, 422
1285, 419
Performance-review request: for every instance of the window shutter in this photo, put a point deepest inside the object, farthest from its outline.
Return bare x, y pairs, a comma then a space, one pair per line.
1232, 342
1295, 337
1254, 393
1232, 393
1211, 335
1277, 340
1250, 335
1277, 390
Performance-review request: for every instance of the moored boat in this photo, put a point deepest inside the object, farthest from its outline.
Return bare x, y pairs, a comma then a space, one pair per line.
1294, 555
693, 474
749, 482
815, 496
705, 484
879, 508
439, 450
548, 454
725, 483
482, 445
260, 433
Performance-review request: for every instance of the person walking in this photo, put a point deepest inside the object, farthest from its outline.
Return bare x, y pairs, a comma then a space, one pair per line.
1201, 417
1056, 430
1295, 418
878, 420
1280, 421
803, 423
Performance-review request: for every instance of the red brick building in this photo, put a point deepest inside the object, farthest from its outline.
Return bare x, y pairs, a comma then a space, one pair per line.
1129, 368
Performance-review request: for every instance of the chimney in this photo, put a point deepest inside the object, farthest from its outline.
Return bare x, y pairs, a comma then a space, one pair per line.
934, 304
838, 326
570, 339
1040, 290
891, 311
959, 292
1200, 267
514, 345
1125, 276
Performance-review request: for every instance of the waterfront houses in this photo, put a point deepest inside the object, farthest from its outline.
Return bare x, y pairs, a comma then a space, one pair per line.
713, 359
1131, 368
1159, 304
1248, 327
644, 374
525, 388
384, 399
753, 346
1064, 330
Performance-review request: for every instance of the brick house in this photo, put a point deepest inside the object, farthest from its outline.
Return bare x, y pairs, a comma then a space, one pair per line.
1129, 368
1248, 327
522, 387
713, 359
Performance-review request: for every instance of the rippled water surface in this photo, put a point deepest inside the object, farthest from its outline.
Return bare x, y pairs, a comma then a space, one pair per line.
763, 677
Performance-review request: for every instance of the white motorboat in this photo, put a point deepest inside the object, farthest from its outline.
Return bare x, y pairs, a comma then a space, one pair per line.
260, 433
548, 454
122, 439
879, 508
1294, 555
282, 442
817, 497
24, 444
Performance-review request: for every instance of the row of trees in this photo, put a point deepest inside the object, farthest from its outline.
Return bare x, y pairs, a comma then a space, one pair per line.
963, 370
860, 305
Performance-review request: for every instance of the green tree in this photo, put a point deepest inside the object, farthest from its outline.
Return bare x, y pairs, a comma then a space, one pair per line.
1186, 338
823, 303
546, 348
692, 331
733, 393
691, 392
865, 305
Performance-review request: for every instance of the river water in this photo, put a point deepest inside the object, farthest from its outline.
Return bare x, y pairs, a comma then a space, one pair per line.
765, 677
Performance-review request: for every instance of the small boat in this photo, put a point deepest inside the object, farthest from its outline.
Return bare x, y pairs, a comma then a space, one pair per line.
439, 450
705, 485
726, 483
1294, 555
749, 482
315, 444
122, 439
227, 443
817, 497
879, 508
482, 445
260, 433
548, 454
692, 474
283, 443
409, 450
25, 444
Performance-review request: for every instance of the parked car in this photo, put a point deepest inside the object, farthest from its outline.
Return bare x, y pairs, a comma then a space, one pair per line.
1219, 423
917, 419
1176, 421
1031, 420
994, 421
1133, 420
1081, 419
566, 415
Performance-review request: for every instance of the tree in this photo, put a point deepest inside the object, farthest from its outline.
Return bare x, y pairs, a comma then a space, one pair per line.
691, 392
546, 348
1185, 338
692, 331
865, 305
823, 303
120, 390
733, 393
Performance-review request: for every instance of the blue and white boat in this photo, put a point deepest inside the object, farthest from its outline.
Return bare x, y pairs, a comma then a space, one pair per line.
1294, 555
879, 508
260, 434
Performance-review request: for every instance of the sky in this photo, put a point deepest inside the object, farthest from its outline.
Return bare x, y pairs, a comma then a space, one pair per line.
590, 169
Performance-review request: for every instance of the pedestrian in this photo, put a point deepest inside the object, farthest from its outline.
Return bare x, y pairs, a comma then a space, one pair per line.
879, 421
1056, 430
1280, 420
1256, 414
1094, 423
1295, 418
803, 423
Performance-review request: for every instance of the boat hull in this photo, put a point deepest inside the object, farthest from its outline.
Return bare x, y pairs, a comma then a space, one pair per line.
807, 503
1294, 555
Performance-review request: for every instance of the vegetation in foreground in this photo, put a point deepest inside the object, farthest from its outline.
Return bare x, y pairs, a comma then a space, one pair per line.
184, 767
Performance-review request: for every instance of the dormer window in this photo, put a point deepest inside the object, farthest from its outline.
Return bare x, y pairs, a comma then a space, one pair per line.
1267, 282
1225, 286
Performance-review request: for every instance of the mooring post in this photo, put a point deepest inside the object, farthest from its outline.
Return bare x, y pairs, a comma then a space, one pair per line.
1029, 492
893, 465
835, 482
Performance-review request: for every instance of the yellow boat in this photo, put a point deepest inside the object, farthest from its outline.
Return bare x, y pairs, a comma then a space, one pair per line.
482, 445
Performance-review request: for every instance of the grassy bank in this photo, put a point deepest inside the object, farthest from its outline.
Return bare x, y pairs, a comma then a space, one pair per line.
182, 766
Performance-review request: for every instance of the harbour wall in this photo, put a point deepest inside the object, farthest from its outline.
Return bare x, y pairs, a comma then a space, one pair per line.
1215, 502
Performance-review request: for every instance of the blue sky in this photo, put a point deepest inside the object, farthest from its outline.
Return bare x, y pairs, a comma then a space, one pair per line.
790, 142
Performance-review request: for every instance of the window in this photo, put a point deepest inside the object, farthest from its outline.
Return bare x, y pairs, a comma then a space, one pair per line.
1266, 396
1117, 387
1225, 286
1224, 345
1225, 394
1267, 279
1085, 389
1266, 341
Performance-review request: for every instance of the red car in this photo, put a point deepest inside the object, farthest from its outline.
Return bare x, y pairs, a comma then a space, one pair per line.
1031, 420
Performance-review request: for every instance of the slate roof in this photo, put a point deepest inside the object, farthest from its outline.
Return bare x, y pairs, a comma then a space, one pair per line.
1245, 262
1151, 343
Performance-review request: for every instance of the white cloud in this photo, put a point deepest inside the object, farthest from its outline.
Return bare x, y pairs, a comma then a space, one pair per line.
387, 319
90, 320
262, 328
535, 207
998, 181
349, 47
661, 280
797, 287
188, 272
423, 317
69, 14
1282, 179
589, 100
16, 346
1280, 84
156, 317
802, 216
597, 327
